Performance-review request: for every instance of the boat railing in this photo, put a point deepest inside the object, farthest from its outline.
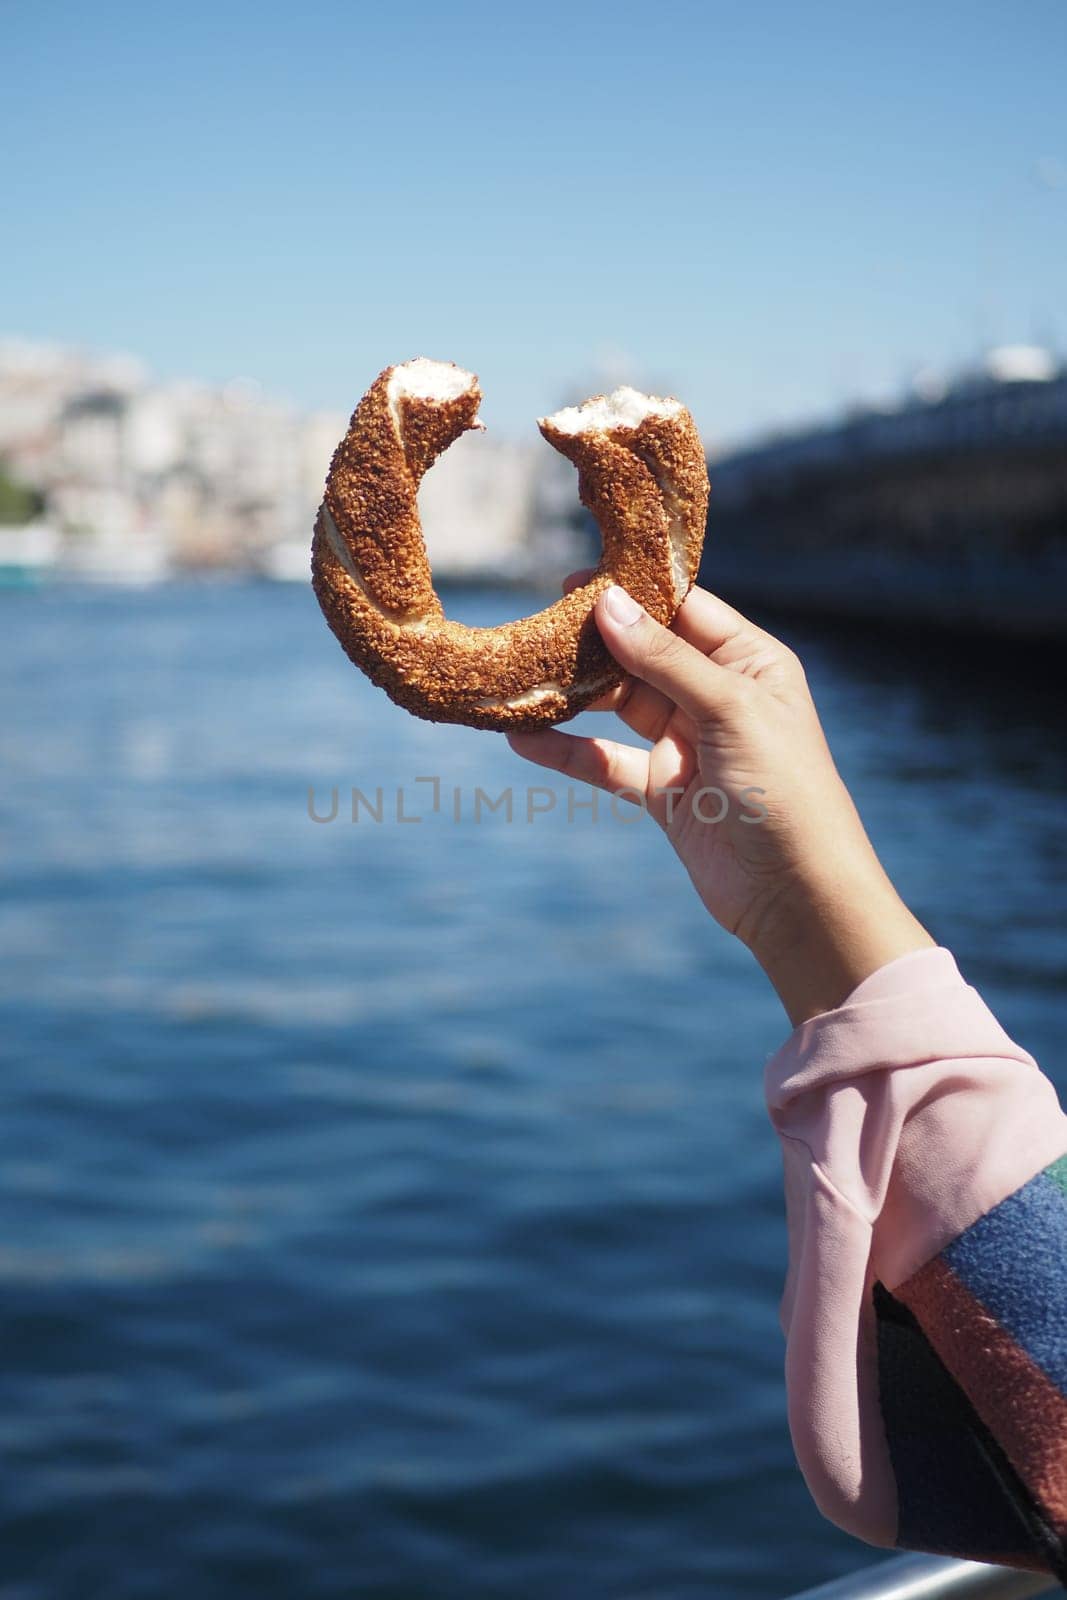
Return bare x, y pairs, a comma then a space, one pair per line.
932, 1578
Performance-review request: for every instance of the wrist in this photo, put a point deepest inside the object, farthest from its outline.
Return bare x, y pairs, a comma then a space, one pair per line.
818, 939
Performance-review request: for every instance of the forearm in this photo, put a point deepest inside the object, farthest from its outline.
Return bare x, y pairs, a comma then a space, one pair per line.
831, 924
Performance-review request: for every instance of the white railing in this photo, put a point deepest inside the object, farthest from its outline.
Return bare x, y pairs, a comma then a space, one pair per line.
932, 1578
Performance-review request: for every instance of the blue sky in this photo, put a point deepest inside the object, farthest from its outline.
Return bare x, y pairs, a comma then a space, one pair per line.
765, 208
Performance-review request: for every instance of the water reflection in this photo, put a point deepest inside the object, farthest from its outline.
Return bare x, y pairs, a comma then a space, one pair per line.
391, 1209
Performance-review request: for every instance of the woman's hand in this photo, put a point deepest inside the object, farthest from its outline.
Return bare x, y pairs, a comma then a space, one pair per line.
741, 780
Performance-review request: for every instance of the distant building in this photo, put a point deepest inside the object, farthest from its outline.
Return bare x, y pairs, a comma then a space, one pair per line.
476, 505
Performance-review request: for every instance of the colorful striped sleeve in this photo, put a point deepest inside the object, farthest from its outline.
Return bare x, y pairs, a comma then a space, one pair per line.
925, 1307
972, 1358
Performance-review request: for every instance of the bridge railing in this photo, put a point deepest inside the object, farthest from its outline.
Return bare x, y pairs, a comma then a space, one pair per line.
934, 1578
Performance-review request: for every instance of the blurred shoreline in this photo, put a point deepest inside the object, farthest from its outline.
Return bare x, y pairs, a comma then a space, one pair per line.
106, 475
946, 507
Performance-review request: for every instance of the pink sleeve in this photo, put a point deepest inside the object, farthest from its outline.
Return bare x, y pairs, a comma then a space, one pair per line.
904, 1116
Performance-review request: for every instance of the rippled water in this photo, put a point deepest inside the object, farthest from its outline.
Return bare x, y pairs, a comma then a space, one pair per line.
389, 1210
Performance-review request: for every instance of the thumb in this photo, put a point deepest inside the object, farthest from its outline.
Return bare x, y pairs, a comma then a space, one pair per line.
652, 652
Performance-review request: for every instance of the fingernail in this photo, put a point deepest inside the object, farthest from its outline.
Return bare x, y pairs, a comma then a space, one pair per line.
620, 606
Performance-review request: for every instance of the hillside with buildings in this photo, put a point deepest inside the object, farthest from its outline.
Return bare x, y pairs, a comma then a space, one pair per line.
106, 473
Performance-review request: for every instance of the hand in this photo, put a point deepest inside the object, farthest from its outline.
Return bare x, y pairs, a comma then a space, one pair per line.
740, 778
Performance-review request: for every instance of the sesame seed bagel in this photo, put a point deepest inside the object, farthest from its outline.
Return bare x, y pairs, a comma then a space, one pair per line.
641, 472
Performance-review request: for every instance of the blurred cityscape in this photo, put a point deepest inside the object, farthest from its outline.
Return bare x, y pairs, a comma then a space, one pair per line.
948, 502
108, 475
